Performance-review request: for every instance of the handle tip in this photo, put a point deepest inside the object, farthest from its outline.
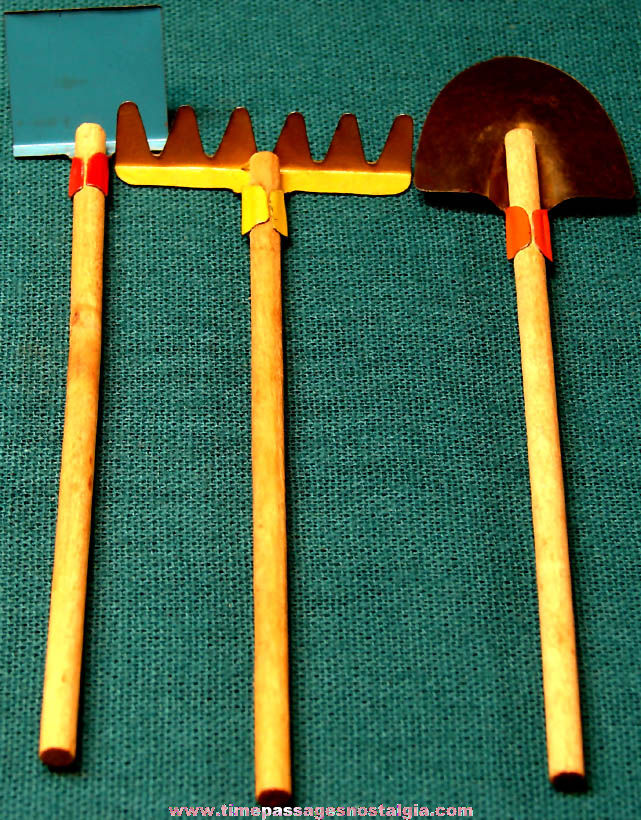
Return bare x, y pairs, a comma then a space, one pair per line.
274, 797
569, 782
56, 756
90, 139
264, 169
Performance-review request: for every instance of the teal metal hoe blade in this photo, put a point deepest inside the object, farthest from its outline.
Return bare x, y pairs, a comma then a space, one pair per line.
75, 66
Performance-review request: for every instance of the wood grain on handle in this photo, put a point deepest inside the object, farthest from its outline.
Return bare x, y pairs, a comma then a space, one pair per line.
271, 675
558, 649
58, 726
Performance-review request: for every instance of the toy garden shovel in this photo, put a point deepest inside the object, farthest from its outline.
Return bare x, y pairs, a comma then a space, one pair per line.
528, 137
68, 72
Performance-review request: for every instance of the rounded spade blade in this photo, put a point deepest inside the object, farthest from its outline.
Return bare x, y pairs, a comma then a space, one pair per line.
461, 148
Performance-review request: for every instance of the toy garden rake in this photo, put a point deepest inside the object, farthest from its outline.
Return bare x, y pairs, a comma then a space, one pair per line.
263, 178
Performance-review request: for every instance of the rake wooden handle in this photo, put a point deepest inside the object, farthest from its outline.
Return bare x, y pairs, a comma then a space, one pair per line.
271, 675
558, 650
58, 725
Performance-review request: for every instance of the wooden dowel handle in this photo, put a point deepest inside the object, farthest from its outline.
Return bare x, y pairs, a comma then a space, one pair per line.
558, 650
271, 675
58, 725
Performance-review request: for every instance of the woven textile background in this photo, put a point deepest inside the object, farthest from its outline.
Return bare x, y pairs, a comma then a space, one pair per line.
415, 660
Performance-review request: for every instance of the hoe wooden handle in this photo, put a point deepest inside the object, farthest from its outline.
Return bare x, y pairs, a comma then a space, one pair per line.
59, 719
271, 675
558, 650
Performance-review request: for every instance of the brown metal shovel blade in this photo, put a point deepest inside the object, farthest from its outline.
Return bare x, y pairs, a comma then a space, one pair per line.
461, 148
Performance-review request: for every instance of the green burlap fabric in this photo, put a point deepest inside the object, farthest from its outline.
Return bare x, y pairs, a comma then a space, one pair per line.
415, 659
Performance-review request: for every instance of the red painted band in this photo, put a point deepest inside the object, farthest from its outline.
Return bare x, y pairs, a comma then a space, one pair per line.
97, 174
76, 176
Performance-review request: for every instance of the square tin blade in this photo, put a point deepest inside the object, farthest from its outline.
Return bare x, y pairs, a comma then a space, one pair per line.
75, 66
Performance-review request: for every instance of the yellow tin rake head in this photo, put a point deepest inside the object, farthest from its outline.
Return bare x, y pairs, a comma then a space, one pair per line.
263, 178
184, 164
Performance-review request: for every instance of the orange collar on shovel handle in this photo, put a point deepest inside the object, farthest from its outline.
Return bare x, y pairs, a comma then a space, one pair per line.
519, 233
264, 178
528, 136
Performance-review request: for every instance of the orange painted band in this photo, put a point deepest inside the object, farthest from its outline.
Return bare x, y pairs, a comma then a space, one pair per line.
541, 223
518, 233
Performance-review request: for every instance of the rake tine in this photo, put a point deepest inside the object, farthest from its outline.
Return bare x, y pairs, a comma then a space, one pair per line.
398, 145
131, 137
346, 149
292, 147
238, 142
184, 146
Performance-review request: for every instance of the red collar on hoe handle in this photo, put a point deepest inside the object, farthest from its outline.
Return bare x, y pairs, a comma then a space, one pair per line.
528, 136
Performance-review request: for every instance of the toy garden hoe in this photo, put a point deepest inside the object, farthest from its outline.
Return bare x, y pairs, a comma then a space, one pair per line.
528, 137
68, 72
263, 179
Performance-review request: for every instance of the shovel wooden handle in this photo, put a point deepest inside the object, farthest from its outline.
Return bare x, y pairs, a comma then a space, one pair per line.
58, 726
558, 650
271, 675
